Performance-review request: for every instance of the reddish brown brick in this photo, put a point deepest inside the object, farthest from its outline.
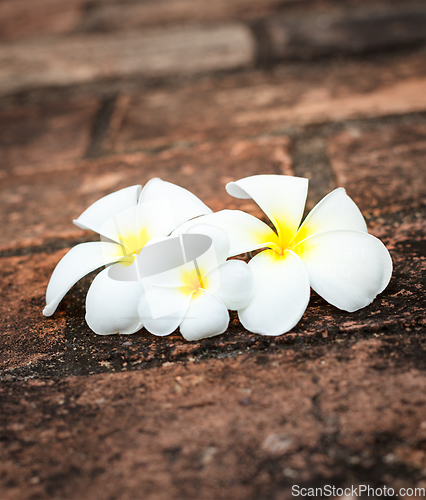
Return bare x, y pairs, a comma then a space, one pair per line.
382, 169
234, 428
24, 337
25, 18
354, 31
37, 205
45, 135
115, 16
80, 59
258, 102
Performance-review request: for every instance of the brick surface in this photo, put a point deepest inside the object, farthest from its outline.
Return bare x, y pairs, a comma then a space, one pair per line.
116, 16
24, 339
353, 31
246, 427
86, 58
319, 106
45, 134
383, 169
37, 205
24, 18
259, 102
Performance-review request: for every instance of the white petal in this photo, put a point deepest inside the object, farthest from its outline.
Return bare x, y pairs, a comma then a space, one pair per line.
167, 262
206, 317
205, 246
245, 232
74, 265
347, 268
173, 305
161, 260
112, 305
106, 208
163, 206
164, 261
122, 225
219, 240
164, 302
335, 211
235, 284
281, 197
172, 278
280, 294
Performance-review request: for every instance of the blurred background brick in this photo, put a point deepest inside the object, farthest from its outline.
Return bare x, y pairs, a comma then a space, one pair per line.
34, 135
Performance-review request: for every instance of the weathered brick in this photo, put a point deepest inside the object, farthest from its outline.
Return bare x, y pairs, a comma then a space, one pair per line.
351, 31
115, 16
26, 18
205, 430
37, 205
24, 338
243, 105
319, 106
382, 169
87, 58
42, 135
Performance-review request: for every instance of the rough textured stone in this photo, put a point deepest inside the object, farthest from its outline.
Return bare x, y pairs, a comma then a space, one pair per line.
24, 339
351, 31
39, 204
244, 427
382, 169
25, 18
259, 102
108, 16
85, 58
44, 135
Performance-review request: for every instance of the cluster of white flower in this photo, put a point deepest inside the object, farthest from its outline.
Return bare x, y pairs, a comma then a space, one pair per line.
165, 263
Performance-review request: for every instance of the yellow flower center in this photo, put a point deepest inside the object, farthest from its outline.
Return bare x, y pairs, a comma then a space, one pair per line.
281, 242
194, 283
131, 245
287, 240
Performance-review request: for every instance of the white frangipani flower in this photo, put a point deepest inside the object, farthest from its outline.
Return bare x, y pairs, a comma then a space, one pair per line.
126, 220
330, 252
196, 295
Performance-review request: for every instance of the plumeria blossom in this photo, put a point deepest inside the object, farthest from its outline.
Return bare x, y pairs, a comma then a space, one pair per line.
126, 220
330, 252
196, 295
